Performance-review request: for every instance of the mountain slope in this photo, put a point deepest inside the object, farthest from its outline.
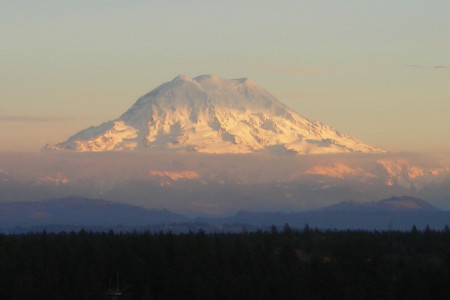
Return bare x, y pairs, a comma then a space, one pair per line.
395, 213
209, 114
81, 211
393, 204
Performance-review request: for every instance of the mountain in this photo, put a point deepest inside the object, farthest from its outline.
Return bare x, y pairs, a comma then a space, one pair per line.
393, 204
405, 203
81, 211
209, 114
396, 213
74, 213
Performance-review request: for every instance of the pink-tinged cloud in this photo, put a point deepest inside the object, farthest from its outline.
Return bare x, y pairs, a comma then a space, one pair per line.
175, 175
337, 170
57, 179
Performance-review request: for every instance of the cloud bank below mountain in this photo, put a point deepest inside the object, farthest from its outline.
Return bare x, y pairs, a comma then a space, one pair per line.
222, 184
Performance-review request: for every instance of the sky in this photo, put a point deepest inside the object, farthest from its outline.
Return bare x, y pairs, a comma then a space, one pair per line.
376, 70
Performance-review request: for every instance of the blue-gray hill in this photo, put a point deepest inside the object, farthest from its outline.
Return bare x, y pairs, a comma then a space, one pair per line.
81, 211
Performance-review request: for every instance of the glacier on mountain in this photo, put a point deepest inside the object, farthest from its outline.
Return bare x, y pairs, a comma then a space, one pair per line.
209, 114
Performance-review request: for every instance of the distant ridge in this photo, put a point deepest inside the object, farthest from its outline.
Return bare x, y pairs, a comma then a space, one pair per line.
209, 114
77, 212
395, 213
81, 211
393, 204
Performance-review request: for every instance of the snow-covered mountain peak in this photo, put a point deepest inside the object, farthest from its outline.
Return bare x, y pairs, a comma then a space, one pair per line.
214, 83
210, 79
247, 82
213, 115
182, 77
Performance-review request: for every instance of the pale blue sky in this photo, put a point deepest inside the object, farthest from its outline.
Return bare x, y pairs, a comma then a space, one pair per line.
377, 70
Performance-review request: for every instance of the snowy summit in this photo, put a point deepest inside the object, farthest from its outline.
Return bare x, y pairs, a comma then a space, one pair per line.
210, 114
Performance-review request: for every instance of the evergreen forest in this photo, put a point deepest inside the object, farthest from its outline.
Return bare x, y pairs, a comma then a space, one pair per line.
280, 263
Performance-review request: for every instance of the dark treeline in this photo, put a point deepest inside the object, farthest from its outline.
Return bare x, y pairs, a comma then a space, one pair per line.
285, 264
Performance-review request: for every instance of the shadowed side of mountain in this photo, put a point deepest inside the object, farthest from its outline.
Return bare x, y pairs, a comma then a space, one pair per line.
393, 204
395, 213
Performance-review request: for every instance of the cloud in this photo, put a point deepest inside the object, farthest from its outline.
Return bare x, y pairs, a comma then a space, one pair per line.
35, 119
295, 70
441, 67
429, 67
225, 183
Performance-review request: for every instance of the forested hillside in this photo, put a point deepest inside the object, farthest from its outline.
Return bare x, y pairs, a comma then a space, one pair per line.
286, 264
